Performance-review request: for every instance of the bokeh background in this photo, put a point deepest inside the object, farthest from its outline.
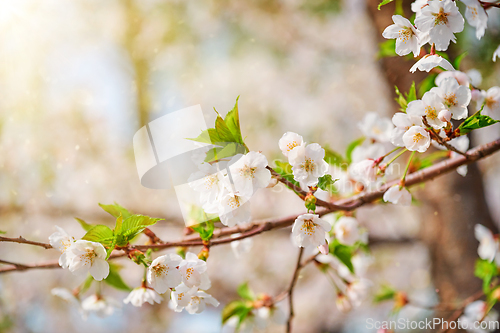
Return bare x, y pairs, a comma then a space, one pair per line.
78, 78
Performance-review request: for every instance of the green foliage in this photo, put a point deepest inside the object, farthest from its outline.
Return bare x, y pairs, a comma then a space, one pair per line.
458, 60
240, 309
351, 147
115, 210
2, 232
135, 224
285, 171
205, 229
384, 2
334, 158
427, 84
86, 284
477, 120
385, 293
84, 224
424, 162
343, 253
310, 202
115, 280
226, 134
387, 49
486, 271
404, 100
326, 183
100, 234
245, 292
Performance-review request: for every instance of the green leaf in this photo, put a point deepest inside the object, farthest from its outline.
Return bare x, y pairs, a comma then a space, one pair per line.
135, 224
116, 210
239, 309
386, 293
229, 150
86, 284
476, 121
486, 271
351, 147
3, 232
100, 234
224, 133
426, 84
285, 171
84, 224
205, 229
310, 202
115, 280
326, 183
387, 49
425, 162
334, 158
401, 100
458, 60
384, 2
232, 121
412, 93
245, 292
207, 136
344, 254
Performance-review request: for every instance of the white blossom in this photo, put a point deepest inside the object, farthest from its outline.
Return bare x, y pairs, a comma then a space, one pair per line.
233, 210
441, 19
199, 301
429, 106
308, 163
405, 34
462, 78
191, 299
241, 247
194, 272
61, 241
429, 61
496, 53
476, 312
310, 230
343, 303
488, 245
476, 16
289, 141
357, 291
455, 97
417, 139
403, 122
249, 172
69, 297
417, 6
163, 274
375, 127
492, 102
100, 305
475, 77
208, 181
346, 230
364, 171
88, 257
398, 195
141, 295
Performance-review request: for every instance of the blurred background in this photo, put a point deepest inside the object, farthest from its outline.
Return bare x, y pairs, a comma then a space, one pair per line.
78, 78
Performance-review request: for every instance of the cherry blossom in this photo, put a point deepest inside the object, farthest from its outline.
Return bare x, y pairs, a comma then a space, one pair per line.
417, 6
376, 127
241, 247
308, 163
429, 106
364, 171
455, 97
194, 272
462, 78
343, 303
476, 312
403, 122
141, 295
69, 297
462, 144
61, 241
398, 195
163, 274
488, 245
476, 16
441, 19
357, 291
492, 102
88, 257
346, 230
417, 139
207, 181
310, 230
289, 141
429, 61
496, 53
233, 210
405, 34
100, 305
199, 301
249, 172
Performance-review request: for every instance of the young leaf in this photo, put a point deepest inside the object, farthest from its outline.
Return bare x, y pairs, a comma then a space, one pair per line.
205, 229
208, 136
86, 284
334, 158
223, 131
412, 93
326, 183
386, 293
116, 210
285, 170
387, 49
100, 234
427, 84
351, 147
245, 292
236, 308
3, 232
401, 100
343, 253
384, 2
84, 224
232, 121
476, 121
115, 280
135, 224
458, 60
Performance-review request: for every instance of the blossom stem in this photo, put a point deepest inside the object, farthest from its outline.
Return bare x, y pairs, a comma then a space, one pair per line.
381, 158
395, 157
403, 179
290, 290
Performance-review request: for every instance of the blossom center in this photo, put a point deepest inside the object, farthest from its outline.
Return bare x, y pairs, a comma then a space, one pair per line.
247, 171
405, 34
189, 272
292, 145
417, 137
441, 17
308, 227
90, 255
309, 165
159, 269
210, 181
450, 99
234, 202
491, 102
430, 112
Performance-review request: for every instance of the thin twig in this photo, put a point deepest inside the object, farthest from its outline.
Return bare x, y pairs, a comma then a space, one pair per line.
22, 240
460, 310
290, 290
440, 139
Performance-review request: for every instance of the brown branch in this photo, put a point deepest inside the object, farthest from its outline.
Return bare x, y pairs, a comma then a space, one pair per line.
440, 140
460, 310
290, 290
22, 240
348, 204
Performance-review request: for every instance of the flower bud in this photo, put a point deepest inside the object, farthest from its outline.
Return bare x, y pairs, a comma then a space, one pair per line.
324, 249
444, 115
343, 303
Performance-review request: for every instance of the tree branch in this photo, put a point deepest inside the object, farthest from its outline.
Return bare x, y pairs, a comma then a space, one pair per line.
22, 240
290, 290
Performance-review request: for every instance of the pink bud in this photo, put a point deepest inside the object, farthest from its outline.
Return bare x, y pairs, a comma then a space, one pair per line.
323, 249
477, 95
444, 115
